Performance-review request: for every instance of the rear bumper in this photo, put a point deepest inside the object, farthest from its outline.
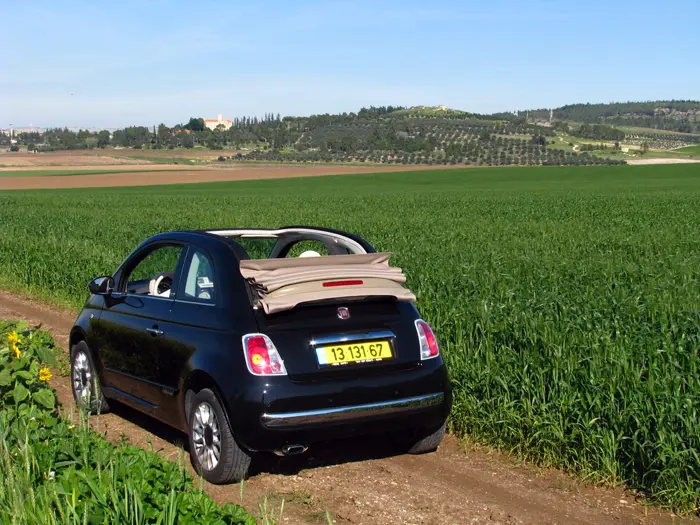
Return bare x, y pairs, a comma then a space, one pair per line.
272, 412
351, 413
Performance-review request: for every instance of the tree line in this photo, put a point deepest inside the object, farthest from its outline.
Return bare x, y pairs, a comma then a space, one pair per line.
375, 134
598, 132
670, 115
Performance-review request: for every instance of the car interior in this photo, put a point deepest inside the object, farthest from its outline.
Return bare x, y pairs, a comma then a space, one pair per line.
159, 285
153, 275
257, 243
291, 242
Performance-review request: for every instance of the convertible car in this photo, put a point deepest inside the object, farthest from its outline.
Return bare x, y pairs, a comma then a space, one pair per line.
262, 340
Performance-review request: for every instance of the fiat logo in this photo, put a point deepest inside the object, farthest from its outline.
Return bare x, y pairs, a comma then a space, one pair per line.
343, 313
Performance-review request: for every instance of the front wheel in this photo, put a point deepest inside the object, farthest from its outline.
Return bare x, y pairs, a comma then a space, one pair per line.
84, 381
213, 450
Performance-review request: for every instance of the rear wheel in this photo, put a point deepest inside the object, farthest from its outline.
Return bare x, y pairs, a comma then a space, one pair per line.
419, 441
84, 380
213, 450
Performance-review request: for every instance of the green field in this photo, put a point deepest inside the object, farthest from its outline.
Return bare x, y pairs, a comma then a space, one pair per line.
634, 130
567, 300
610, 153
690, 150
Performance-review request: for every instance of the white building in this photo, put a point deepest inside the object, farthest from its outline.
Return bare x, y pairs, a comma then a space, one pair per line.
214, 123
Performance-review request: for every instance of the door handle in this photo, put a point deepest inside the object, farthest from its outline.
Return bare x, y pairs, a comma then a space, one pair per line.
154, 331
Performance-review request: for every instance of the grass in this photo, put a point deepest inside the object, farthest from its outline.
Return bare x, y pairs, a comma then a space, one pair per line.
634, 151
55, 472
187, 156
637, 130
512, 136
164, 159
430, 111
566, 300
693, 151
662, 154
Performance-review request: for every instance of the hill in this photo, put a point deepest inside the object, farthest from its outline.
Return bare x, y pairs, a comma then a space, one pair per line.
430, 111
673, 115
430, 135
376, 135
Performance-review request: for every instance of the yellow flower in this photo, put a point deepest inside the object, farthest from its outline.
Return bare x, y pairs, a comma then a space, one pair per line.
16, 351
71, 427
44, 374
13, 338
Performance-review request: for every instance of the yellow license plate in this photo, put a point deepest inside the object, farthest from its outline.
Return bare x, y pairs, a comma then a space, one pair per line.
357, 352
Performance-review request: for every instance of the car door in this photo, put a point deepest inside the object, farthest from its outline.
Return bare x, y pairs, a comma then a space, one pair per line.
134, 326
201, 321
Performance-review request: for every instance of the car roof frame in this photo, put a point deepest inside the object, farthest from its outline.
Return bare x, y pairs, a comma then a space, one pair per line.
289, 233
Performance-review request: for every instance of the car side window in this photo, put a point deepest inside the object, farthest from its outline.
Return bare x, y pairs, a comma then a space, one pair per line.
154, 274
200, 279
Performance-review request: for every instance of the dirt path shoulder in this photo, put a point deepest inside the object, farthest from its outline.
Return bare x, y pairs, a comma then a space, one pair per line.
190, 176
364, 484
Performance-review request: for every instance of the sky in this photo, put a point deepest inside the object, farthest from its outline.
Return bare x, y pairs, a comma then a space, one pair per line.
111, 64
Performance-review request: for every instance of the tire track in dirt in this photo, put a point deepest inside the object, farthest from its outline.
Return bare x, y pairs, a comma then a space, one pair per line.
364, 484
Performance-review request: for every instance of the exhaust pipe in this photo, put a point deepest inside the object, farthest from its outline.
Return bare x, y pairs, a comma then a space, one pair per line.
291, 450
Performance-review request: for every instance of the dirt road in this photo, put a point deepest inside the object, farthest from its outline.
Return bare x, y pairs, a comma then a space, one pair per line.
358, 485
188, 176
644, 162
104, 168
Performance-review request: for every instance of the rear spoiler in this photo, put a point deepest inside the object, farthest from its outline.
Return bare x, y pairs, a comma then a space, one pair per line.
281, 284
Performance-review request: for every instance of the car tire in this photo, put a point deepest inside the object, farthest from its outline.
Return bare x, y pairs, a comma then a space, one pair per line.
208, 423
429, 443
85, 381
419, 441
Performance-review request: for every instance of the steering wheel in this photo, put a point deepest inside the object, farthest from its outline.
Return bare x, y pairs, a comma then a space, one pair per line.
161, 284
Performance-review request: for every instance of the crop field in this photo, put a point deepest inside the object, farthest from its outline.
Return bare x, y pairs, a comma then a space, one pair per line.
566, 299
691, 150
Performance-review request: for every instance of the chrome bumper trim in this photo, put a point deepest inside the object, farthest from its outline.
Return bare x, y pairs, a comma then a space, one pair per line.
384, 334
352, 412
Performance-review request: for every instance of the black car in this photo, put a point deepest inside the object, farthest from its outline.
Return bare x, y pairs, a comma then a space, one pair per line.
261, 340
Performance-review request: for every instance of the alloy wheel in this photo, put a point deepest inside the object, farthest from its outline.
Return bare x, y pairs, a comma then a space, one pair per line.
206, 435
82, 377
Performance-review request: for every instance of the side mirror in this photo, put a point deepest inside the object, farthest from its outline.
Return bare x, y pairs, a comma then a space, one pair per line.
101, 286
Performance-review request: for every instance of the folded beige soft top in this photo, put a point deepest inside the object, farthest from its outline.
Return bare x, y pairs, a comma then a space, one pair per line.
281, 284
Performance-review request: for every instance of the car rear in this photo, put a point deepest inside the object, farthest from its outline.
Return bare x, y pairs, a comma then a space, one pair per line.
344, 364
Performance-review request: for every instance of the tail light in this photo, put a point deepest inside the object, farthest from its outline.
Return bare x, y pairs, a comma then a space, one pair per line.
261, 356
426, 338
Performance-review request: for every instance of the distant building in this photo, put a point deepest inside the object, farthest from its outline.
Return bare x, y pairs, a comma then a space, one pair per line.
214, 123
15, 131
